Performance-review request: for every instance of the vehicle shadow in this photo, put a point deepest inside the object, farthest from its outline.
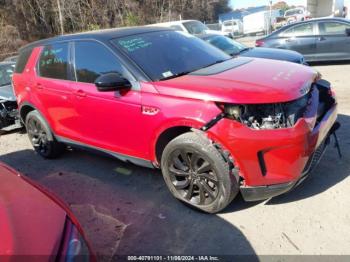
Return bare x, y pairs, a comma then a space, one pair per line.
330, 171
4, 132
127, 210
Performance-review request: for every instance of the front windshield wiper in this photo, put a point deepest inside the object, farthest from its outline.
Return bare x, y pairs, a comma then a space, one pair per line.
216, 62
176, 75
187, 72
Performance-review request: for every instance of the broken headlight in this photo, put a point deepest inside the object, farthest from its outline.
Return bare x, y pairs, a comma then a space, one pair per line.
268, 116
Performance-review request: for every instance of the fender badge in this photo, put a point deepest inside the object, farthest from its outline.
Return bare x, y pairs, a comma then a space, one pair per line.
150, 110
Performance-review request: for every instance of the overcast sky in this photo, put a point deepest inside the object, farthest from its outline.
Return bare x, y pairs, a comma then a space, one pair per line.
248, 3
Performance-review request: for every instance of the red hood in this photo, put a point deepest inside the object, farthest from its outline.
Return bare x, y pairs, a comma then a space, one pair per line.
30, 222
244, 81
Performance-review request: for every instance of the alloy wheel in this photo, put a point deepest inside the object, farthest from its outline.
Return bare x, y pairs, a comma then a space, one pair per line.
193, 177
38, 136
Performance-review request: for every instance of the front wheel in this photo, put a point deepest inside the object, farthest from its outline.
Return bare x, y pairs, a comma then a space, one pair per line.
197, 173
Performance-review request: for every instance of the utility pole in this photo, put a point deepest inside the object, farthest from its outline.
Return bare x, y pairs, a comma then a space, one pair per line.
60, 16
270, 24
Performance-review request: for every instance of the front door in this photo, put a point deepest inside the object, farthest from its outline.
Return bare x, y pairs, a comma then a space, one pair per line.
300, 38
107, 120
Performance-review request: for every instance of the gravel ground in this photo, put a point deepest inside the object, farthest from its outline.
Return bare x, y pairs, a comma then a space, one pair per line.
126, 209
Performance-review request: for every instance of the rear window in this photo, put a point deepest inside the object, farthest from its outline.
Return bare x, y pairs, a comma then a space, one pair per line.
23, 59
53, 62
333, 28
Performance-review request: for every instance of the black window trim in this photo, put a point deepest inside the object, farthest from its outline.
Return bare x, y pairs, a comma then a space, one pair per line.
127, 72
23, 67
69, 69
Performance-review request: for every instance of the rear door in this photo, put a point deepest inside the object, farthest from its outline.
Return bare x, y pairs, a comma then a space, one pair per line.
332, 41
53, 89
300, 38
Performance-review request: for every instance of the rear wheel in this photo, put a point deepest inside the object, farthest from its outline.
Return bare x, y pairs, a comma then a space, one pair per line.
41, 137
197, 174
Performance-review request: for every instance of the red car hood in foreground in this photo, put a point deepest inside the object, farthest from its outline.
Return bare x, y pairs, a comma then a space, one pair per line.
30, 222
243, 81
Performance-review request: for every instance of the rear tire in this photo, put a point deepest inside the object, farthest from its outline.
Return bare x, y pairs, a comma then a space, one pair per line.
196, 173
41, 137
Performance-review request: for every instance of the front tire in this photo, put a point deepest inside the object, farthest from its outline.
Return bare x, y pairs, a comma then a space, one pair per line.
196, 173
41, 137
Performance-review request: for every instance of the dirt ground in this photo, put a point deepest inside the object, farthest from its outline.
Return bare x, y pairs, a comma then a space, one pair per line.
126, 209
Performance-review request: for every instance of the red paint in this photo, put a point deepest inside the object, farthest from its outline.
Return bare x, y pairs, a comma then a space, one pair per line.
131, 123
32, 220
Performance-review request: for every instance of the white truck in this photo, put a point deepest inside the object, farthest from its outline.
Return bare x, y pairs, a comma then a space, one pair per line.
259, 22
234, 26
296, 15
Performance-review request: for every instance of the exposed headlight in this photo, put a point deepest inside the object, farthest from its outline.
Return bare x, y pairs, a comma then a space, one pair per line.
232, 111
267, 116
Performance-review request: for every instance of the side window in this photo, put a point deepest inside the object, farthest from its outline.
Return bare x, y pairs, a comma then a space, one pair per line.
299, 30
332, 28
92, 59
53, 62
176, 27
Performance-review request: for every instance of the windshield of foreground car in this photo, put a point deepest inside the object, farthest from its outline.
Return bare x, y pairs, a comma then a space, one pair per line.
226, 44
167, 54
6, 72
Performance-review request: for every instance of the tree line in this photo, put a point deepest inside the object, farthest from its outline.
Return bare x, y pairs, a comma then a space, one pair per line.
23, 21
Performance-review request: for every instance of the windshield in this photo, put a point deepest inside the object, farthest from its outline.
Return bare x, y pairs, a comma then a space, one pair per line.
195, 27
6, 72
226, 44
166, 54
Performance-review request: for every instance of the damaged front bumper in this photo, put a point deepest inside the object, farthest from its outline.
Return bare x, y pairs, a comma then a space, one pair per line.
272, 162
256, 193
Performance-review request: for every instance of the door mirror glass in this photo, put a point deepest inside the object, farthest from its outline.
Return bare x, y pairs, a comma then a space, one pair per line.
112, 82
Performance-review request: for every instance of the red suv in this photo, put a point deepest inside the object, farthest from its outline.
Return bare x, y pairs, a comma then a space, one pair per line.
214, 124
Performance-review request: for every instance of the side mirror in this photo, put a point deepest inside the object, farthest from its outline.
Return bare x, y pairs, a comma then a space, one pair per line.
111, 82
347, 31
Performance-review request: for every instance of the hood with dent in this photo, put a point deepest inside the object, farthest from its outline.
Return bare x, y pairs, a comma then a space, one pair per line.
274, 53
243, 81
31, 223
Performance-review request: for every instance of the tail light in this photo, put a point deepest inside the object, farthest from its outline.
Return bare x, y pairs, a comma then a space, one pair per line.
259, 43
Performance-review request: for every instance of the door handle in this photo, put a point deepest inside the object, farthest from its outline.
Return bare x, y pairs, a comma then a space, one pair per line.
80, 93
321, 38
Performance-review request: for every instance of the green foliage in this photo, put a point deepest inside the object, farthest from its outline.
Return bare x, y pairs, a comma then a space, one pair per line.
92, 27
131, 19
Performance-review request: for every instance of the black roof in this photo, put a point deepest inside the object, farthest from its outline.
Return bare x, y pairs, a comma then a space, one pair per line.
103, 35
